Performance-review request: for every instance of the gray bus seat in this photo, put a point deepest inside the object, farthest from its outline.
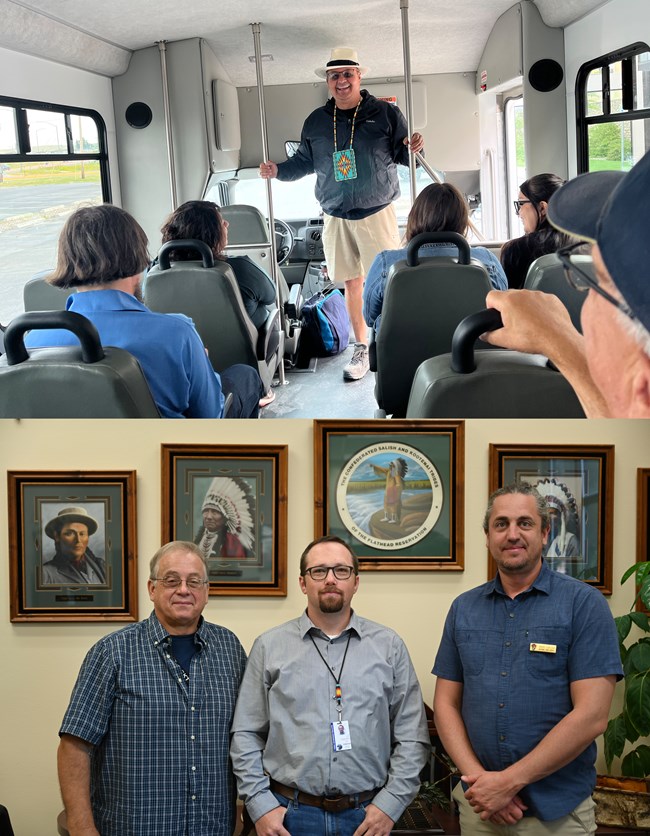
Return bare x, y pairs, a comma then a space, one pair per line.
208, 293
547, 274
40, 295
424, 300
489, 384
248, 234
81, 381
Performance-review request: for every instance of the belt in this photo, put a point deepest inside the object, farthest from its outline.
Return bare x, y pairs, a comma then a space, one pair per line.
332, 804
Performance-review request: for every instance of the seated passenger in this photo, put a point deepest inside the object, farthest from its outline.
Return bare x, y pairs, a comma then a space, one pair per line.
103, 253
540, 237
201, 220
439, 207
608, 367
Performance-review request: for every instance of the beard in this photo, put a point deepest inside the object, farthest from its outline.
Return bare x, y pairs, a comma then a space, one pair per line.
137, 292
330, 603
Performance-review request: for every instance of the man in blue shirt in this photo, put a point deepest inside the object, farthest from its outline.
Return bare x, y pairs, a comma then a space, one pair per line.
144, 741
103, 252
525, 677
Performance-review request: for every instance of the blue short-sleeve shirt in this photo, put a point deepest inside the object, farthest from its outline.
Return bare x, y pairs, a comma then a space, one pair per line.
514, 693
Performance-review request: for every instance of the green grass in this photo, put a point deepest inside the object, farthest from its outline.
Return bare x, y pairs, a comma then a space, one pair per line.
47, 174
608, 165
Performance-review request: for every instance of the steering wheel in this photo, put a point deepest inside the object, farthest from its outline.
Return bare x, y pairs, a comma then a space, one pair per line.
284, 240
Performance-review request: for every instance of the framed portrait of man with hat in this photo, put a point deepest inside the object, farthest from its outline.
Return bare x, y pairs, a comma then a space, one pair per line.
73, 535
231, 502
577, 484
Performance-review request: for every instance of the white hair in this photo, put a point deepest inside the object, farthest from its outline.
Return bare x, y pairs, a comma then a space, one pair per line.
636, 330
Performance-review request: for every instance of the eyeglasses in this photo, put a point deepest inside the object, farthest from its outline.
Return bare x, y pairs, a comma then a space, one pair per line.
346, 74
319, 573
582, 280
519, 204
174, 582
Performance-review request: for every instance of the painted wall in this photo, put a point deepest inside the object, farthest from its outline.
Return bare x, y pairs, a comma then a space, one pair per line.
617, 24
40, 661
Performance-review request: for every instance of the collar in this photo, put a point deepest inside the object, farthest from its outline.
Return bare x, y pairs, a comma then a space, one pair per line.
542, 582
103, 300
158, 634
306, 625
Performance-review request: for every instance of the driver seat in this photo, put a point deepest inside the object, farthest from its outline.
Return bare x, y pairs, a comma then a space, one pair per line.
248, 234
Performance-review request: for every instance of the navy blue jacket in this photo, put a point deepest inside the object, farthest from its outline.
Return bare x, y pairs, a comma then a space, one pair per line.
380, 130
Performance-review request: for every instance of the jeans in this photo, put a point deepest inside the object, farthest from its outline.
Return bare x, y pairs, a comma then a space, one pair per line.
303, 820
246, 386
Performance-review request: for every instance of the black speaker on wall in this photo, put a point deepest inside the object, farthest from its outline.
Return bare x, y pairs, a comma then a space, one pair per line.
138, 115
545, 75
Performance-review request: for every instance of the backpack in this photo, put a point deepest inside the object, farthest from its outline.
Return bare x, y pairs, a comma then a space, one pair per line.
325, 324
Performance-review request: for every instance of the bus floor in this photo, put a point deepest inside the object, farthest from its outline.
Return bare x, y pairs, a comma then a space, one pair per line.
323, 393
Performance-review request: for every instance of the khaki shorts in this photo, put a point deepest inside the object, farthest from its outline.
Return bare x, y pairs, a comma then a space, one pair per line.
351, 246
578, 823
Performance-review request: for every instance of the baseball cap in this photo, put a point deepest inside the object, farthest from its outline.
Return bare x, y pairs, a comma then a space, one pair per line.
611, 209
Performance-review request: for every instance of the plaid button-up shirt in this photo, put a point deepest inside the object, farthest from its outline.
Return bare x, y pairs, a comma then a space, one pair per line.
160, 760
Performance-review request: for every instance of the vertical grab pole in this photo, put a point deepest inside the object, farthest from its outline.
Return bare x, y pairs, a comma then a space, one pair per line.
269, 194
406, 48
162, 49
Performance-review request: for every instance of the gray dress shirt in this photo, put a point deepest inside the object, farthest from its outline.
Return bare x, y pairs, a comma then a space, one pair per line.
281, 726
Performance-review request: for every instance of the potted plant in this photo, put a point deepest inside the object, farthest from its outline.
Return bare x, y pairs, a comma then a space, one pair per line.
626, 800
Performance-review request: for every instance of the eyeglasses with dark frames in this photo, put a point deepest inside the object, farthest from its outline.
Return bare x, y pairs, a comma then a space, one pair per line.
346, 74
340, 572
580, 279
519, 204
174, 582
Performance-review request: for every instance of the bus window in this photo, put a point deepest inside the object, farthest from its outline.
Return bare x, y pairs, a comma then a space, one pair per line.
515, 158
613, 110
52, 160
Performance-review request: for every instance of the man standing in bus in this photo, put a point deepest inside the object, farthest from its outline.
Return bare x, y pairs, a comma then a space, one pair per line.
353, 144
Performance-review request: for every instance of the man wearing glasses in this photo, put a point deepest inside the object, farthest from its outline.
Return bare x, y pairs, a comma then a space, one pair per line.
144, 742
329, 734
353, 144
609, 367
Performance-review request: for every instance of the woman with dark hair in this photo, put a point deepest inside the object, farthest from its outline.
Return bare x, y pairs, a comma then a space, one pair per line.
201, 220
540, 237
439, 207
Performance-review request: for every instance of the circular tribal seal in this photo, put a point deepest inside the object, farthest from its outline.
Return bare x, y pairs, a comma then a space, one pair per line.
389, 496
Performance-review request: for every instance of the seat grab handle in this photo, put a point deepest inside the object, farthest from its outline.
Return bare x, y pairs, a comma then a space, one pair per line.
82, 328
467, 332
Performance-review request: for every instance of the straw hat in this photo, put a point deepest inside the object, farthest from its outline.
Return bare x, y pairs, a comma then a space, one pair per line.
75, 514
342, 58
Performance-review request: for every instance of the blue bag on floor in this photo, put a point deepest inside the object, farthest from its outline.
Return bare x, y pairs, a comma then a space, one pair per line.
326, 325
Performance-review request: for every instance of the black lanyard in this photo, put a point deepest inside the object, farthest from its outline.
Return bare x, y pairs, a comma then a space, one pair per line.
337, 679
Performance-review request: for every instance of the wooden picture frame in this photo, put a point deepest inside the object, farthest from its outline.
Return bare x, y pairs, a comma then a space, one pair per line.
578, 482
72, 546
232, 501
407, 518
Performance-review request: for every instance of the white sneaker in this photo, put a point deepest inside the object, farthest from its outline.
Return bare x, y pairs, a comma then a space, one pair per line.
359, 364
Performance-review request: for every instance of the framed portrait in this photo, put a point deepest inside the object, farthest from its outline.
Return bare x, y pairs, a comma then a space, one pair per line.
232, 502
642, 522
72, 546
578, 484
393, 490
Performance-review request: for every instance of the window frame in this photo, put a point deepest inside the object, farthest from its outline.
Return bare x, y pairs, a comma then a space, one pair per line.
583, 122
24, 155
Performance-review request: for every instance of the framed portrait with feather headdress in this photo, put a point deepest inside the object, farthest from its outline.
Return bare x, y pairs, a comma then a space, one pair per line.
577, 482
231, 501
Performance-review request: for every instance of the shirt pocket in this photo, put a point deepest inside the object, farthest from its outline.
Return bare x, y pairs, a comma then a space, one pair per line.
472, 647
551, 661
